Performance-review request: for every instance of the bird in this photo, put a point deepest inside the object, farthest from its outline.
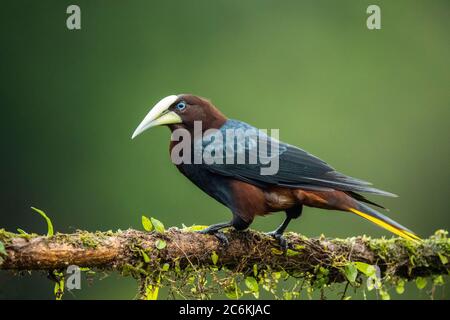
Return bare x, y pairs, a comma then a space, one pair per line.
302, 179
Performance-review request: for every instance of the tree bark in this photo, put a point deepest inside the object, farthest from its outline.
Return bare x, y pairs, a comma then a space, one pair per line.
113, 251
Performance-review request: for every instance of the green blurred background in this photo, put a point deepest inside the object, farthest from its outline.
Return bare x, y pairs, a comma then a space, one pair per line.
374, 104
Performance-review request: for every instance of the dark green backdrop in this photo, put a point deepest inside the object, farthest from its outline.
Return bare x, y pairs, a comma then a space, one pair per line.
374, 104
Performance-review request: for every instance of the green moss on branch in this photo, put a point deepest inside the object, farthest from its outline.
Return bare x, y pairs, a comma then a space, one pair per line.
180, 256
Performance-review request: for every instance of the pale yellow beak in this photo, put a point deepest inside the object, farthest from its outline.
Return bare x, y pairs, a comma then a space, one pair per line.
159, 115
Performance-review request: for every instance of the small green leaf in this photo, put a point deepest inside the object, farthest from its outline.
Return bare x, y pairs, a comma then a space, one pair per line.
231, 294
421, 283
21, 231
351, 272
160, 244
2, 249
177, 267
400, 288
252, 284
145, 256
276, 275
214, 257
443, 258
276, 252
291, 253
299, 247
165, 267
438, 281
49, 222
255, 269
365, 268
159, 227
151, 292
147, 224
287, 295
384, 295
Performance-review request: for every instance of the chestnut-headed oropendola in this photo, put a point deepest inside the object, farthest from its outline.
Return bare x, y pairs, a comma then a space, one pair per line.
302, 179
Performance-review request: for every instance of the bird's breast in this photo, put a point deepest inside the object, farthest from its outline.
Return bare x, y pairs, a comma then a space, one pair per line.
216, 186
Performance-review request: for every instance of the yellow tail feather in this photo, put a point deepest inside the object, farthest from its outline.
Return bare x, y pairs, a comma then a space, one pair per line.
402, 233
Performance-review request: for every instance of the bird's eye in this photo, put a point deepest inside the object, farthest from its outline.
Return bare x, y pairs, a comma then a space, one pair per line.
181, 105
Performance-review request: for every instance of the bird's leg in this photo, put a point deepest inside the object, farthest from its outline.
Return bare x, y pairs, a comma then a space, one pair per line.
237, 222
278, 233
291, 213
214, 229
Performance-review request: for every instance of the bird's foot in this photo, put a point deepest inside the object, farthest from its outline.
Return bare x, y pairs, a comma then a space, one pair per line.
280, 239
222, 238
219, 235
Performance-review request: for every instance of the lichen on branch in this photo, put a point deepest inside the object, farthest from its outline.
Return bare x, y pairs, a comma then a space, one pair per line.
196, 265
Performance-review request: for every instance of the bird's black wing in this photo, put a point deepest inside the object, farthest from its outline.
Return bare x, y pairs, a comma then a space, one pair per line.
296, 167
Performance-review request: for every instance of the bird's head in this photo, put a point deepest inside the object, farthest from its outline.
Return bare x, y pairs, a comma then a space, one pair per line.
180, 111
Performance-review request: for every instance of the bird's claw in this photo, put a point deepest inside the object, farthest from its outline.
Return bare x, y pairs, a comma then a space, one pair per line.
219, 235
280, 239
222, 238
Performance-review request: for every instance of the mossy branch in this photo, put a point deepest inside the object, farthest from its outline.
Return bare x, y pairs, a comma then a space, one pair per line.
187, 249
